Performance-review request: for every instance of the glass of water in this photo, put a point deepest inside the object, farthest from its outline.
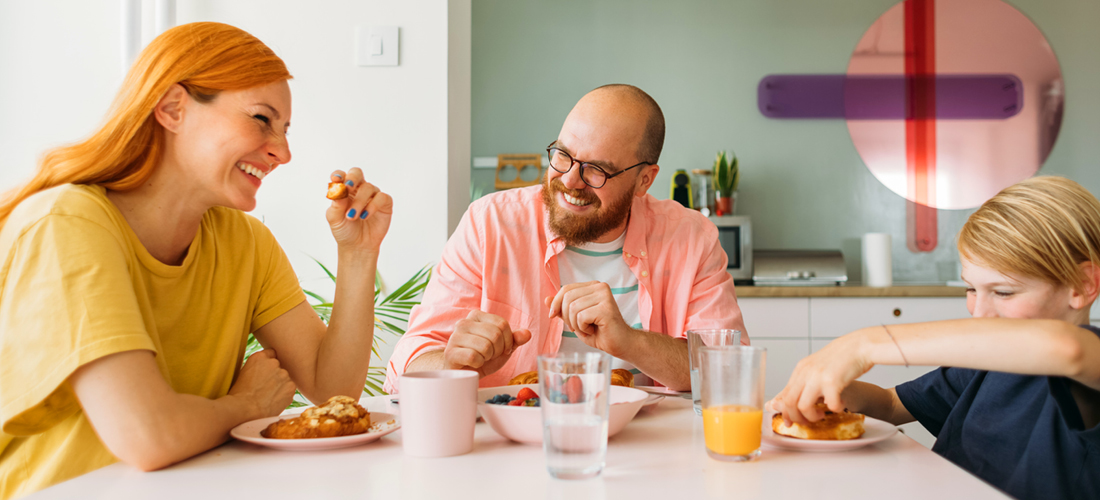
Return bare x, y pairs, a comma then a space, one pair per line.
573, 394
700, 338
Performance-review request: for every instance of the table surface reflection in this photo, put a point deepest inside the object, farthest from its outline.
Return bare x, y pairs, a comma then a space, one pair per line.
660, 454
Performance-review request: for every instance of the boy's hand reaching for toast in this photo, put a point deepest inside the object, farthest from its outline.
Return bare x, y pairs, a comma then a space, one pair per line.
821, 377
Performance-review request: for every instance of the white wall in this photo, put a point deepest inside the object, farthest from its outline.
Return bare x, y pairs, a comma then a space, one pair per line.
459, 86
60, 67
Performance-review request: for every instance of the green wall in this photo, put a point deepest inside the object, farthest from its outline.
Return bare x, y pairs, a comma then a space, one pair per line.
802, 181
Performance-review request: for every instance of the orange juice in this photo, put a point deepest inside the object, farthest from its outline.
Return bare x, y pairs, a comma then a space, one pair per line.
732, 429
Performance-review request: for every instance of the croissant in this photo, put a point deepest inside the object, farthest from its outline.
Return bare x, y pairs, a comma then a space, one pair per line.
619, 377
340, 416
622, 377
525, 378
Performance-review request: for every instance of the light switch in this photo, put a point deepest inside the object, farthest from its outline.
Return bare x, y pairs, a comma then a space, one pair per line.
376, 45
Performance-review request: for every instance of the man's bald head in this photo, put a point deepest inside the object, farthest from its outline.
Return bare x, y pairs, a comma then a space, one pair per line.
631, 101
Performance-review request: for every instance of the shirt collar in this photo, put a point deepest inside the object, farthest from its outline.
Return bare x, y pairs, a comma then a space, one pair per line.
636, 228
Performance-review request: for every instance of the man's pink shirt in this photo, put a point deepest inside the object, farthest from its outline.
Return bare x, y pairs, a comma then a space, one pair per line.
503, 259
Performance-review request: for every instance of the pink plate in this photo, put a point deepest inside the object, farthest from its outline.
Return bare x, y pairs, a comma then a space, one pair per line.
874, 431
381, 424
663, 391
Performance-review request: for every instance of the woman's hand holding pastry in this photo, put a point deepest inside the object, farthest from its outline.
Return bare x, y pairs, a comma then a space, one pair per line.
264, 384
822, 376
360, 219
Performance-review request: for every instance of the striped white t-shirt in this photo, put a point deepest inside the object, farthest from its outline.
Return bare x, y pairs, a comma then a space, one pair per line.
603, 262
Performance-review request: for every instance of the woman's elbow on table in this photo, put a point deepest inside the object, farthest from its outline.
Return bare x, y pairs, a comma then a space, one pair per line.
146, 457
150, 443
138, 416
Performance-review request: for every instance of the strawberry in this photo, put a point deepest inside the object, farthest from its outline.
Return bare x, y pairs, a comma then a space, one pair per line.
574, 389
515, 402
526, 393
554, 383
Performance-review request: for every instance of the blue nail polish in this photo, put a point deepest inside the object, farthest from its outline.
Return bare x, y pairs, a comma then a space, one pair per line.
364, 215
351, 213
338, 176
350, 183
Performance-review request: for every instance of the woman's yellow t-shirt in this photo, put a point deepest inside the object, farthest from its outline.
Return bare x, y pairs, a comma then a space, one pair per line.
76, 284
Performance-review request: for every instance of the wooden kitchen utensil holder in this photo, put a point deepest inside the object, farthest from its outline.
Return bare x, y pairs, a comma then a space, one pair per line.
518, 162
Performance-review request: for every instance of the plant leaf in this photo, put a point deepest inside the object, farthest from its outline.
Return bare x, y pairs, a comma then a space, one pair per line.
329, 273
395, 307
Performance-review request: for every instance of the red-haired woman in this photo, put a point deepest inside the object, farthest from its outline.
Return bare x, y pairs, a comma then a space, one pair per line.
130, 277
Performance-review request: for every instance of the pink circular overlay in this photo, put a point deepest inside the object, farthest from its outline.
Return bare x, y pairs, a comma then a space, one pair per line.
979, 105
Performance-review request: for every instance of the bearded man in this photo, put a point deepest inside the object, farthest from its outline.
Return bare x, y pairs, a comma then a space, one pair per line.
586, 261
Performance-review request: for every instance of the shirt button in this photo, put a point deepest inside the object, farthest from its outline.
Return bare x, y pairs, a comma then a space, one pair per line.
643, 253
645, 273
627, 255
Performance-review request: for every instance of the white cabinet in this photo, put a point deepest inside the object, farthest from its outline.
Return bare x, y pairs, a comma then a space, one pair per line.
776, 317
782, 326
783, 355
832, 317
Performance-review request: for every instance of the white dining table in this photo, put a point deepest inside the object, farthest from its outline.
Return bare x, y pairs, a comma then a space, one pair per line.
660, 454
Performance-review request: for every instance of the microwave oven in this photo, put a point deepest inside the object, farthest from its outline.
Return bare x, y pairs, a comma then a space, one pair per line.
735, 236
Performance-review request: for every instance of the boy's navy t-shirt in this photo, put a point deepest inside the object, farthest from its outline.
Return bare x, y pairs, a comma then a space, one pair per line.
1021, 433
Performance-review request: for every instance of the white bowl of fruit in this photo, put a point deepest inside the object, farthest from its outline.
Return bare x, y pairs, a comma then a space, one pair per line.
512, 410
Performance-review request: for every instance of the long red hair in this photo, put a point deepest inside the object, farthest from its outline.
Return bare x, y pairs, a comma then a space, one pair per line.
206, 58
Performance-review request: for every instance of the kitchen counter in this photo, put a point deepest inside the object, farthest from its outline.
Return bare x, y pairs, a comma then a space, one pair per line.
852, 291
659, 455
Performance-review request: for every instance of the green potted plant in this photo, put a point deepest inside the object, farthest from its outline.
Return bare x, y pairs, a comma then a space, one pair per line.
726, 178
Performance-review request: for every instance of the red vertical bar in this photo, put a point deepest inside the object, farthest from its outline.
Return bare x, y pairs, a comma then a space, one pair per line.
920, 123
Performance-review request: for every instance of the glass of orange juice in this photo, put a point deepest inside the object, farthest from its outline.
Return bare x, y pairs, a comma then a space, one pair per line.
732, 383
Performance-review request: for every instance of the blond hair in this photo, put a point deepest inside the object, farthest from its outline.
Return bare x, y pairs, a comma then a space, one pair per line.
1043, 227
205, 58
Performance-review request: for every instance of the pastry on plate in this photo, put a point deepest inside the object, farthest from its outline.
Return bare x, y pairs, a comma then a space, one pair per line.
339, 416
525, 378
619, 377
622, 377
834, 427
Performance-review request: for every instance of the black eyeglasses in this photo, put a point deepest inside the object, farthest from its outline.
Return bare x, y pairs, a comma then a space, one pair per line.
592, 174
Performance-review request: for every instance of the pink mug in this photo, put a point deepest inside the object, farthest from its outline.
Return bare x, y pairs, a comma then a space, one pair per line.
438, 412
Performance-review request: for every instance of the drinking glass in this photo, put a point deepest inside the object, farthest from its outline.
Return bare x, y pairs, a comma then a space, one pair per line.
700, 338
732, 382
574, 390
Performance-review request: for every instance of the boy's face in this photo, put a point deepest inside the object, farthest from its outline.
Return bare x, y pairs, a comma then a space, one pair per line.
992, 294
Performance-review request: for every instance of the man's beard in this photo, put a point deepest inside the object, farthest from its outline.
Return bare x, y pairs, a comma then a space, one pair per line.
578, 229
